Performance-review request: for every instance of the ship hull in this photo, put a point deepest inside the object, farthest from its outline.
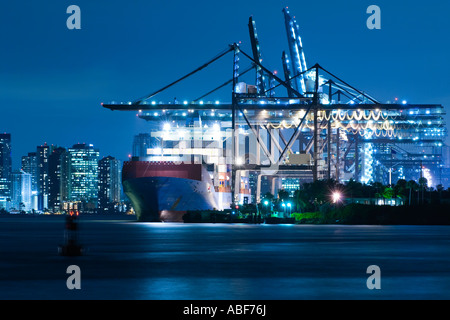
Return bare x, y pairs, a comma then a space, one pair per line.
166, 199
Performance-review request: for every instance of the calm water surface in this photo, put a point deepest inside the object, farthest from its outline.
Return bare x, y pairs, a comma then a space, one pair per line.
130, 260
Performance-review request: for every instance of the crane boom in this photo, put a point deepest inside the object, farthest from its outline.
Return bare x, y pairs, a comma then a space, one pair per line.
298, 60
287, 72
260, 79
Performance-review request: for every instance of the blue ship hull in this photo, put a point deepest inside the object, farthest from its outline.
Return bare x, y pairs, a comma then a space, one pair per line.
166, 199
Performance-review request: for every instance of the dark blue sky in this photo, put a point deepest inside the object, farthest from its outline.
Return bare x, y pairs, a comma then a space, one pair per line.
52, 80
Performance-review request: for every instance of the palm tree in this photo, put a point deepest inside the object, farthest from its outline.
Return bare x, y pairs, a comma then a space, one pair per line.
439, 188
412, 186
423, 182
378, 188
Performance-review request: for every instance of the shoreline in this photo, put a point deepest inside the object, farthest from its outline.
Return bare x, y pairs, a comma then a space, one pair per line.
353, 214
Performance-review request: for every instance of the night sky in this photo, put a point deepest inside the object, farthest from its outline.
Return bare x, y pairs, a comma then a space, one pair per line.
52, 79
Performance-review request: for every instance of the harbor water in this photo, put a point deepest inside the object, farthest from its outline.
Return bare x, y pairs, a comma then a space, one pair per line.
125, 259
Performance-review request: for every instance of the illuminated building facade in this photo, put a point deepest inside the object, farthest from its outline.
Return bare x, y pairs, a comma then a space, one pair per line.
55, 161
42, 154
21, 199
29, 165
290, 185
79, 173
5, 166
109, 183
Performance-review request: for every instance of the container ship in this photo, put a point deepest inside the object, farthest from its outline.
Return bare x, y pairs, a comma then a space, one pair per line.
185, 169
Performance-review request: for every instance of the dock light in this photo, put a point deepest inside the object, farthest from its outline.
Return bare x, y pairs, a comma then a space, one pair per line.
284, 207
217, 102
153, 102
266, 202
404, 102
166, 126
201, 101
336, 196
289, 206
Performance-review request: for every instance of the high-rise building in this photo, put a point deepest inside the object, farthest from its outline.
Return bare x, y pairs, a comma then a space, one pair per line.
290, 185
45, 168
42, 175
5, 165
55, 160
446, 156
21, 191
29, 165
109, 181
79, 174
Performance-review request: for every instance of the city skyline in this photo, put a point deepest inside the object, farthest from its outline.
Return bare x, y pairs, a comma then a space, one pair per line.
54, 175
52, 93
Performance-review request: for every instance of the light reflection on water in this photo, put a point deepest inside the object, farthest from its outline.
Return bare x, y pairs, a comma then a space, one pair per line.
129, 260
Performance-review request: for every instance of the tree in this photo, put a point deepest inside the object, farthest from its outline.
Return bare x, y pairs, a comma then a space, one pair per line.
268, 196
378, 189
412, 186
267, 201
388, 193
400, 189
354, 189
439, 189
283, 195
423, 182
